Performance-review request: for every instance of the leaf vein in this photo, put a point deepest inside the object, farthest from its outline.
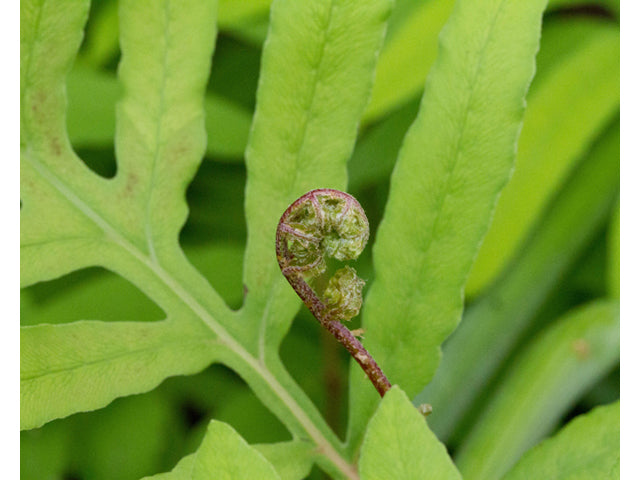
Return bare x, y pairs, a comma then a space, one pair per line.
410, 303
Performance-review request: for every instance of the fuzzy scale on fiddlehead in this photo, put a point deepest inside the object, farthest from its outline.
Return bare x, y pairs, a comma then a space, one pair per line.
328, 223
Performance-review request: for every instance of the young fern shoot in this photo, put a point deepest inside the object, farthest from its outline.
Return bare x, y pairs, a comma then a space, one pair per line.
332, 223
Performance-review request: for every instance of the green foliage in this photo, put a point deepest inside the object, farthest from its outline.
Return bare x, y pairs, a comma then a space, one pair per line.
494, 325
399, 445
453, 163
613, 247
157, 332
587, 448
543, 382
546, 152
223, 454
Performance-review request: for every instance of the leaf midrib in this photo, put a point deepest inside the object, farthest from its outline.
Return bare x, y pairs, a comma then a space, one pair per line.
29, 64
325, 445
106, 358
312, 96
410, 303
148, 228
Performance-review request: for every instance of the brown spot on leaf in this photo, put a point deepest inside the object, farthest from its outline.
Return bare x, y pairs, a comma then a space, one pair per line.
38, 99
55, 145
132, 182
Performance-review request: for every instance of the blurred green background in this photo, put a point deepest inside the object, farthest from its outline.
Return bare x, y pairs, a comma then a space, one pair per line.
574, 104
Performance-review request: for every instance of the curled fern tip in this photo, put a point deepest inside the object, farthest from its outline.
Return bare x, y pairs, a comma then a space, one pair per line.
328, 223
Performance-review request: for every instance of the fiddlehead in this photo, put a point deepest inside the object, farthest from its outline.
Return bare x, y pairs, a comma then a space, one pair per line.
328, 223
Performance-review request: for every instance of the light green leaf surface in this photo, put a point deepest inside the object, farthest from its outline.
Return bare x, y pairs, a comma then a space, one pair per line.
91, 115
223, 455
226, 456
42, 71
71, 218
407, 56
292, 460
613, 256
565, 113
455, 159
398, 444
588, 448
49, 38
544, 381
496, 322
160, 136
316, 76
85, 365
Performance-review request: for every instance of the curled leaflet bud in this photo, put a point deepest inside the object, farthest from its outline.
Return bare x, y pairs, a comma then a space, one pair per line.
343, 295
321, 222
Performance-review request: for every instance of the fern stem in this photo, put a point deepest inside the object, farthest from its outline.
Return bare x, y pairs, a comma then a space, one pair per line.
326, 221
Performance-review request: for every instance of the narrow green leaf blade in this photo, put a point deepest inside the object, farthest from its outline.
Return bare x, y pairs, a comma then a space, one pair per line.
613, 257
588, 448
85, 365
317, 72
223, 455
160, 137
398, 444
496, 322
455, 159
51, 227
542, 384
566, 112
50, 35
